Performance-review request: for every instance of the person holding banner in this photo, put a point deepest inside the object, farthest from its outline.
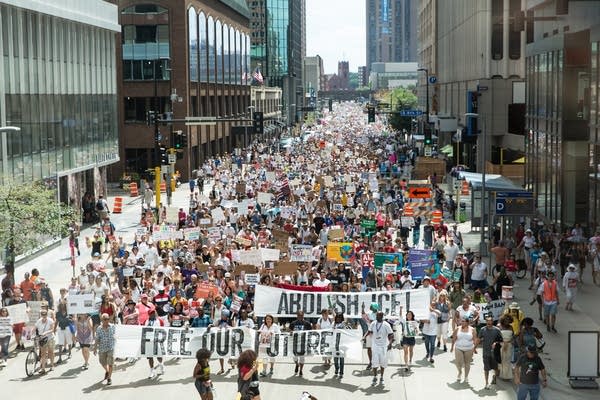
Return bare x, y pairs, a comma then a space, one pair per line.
267, 330
325, 322
338, 362
410, 329
300, 324
153, 320
382, 337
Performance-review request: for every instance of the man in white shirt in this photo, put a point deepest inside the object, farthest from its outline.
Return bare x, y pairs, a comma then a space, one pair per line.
322, 282
479, 273
382, 337
450, 253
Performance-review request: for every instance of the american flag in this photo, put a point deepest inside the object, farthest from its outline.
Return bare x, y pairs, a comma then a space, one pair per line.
257, 76
284, 189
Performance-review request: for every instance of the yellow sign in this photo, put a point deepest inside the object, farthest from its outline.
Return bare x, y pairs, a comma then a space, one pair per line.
340, 252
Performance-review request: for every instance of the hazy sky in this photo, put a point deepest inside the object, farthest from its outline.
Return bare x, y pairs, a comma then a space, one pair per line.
336, 31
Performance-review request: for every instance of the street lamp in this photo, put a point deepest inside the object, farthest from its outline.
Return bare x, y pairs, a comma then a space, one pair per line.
483, 153
250, 110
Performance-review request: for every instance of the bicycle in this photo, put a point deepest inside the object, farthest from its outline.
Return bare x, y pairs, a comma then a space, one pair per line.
32, 361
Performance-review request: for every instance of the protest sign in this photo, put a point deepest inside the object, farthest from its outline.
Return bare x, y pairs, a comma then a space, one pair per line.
203, 290
5, 327
340, 252
34, 311
286, 303
328, 181
243, 242
18, 313
240, 188
252, 257
337, 207
252, 279
229, 203
205, 222
191, 233
367, 260
301, 253
420, 262
264, 198
451, 275
214, 233
217, 214
335, 234
172, 215
388, 268
368, 224
269, 254
407, 221
247, 268
81, 303
351, 189
280, 235
236, 304
139, 232
127, 271
493, 308
387, 258
287, 212
148, 341
270, 176
286, 267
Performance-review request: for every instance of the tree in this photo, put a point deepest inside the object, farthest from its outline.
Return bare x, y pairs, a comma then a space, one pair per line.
29, 216
401, 99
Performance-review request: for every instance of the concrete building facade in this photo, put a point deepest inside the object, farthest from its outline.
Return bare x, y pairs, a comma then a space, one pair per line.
484, 77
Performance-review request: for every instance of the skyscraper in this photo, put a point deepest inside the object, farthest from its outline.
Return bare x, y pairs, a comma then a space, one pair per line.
391, 31
278, 46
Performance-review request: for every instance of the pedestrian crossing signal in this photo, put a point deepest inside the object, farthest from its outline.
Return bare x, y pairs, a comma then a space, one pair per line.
371, 114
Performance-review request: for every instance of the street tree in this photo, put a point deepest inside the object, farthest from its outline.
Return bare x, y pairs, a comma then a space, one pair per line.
401, 99
30, 216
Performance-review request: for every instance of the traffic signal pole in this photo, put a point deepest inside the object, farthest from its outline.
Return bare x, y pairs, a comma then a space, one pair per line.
157, 175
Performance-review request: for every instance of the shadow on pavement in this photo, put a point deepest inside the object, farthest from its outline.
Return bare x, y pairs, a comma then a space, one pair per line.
135, 384
298, 380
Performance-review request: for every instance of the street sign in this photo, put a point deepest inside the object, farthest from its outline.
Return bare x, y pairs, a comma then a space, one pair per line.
410, 113
419, 193
427, 151
515, 203
200, 121
172, 158
432, 79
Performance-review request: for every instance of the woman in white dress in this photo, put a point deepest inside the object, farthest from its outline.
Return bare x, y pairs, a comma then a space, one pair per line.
266, 332
506, 353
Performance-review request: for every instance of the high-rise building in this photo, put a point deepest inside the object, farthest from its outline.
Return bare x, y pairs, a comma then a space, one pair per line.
363, 79
487, 77
314, 77
282, 24
562, 124
181, 58
391, 31
59, 87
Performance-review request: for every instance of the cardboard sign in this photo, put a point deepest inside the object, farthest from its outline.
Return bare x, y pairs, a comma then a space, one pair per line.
269, 254
247, 268
5, 326
205, 222
335, 234
407, 221
18, 313
172, 216
340, 252
280, 235
243, 241
286, 267
203, 290
264, 198
240, 188
217, 214
419, 193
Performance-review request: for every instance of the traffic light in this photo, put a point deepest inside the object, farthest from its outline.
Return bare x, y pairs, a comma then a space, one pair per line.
164, 156
258, 122
330, 105
371, 114
427, 135
180, 140
150, 118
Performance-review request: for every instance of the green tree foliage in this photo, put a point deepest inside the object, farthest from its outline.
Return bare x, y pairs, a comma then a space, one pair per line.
401, 99
30, 215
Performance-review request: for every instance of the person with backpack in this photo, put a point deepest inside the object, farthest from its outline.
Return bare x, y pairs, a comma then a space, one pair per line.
102, 208
528, 336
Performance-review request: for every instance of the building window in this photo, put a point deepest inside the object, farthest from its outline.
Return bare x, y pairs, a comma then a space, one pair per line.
514, 37
497, 29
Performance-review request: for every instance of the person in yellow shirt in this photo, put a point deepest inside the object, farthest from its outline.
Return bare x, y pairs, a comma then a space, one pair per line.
344, 200
517, 316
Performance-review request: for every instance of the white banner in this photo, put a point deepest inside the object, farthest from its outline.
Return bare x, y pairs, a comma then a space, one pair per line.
494, 307
301, 253
34, 311
147, 341
80, 303
5, 327
286, 303
269, 254
18, 313
250, 257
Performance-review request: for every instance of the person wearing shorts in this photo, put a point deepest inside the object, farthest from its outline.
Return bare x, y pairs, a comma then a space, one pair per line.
300, 324
105, 345
489, 336
382, 337
202, 375
369, 318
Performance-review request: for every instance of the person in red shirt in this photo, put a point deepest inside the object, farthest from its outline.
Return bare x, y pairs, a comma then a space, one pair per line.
27, 287
248, 375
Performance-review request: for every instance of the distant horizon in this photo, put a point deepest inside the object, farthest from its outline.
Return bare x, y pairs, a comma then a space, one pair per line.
324, 34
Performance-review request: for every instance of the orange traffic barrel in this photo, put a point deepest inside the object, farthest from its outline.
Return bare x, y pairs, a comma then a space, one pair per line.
118, 205
436, 217
163, 187
133, 189
465, 188
408, 211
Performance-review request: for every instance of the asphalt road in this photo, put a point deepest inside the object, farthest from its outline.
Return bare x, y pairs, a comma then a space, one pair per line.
422, 381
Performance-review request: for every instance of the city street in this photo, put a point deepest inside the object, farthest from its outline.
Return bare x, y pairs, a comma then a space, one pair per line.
423, 380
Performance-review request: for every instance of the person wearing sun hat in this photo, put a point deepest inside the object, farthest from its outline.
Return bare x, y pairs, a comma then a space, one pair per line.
569, 283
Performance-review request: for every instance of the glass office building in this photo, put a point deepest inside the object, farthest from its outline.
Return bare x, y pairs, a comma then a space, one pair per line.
59, 87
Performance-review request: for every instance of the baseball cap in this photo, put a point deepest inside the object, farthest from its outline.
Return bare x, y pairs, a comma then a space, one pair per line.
227, 275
